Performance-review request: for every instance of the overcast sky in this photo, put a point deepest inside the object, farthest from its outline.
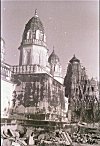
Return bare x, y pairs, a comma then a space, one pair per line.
72, 27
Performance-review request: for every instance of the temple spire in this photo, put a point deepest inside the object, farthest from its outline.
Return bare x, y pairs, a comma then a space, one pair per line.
74, 55
53, 49
36, 13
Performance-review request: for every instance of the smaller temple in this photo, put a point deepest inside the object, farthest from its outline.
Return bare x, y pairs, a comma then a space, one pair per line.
82, 93
55, 66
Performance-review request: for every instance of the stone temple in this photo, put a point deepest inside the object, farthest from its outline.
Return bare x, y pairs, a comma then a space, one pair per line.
35, 86
34, 92
35, 98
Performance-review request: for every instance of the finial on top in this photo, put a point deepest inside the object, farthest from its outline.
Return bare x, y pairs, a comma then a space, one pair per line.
53, 49
74, 55
36, 13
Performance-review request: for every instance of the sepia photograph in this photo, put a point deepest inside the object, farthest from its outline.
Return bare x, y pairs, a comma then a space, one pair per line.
50, 73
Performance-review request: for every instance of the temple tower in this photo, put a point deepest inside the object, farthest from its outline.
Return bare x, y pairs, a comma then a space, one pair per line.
33, 49
73, 77
55, 66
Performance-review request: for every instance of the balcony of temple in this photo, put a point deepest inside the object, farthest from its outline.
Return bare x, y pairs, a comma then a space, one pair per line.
29, 69
34, 42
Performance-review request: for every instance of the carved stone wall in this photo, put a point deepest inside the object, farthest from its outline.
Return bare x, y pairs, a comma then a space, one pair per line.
40, 94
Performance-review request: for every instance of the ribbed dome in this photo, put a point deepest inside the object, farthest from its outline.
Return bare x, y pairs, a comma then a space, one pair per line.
74, 59
53, 58
33, 24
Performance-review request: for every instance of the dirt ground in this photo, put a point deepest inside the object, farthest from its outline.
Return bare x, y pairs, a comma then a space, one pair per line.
77, 144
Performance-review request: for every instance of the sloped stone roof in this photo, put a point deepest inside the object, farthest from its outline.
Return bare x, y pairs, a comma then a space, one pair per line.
74, 59
33, 24
53, 58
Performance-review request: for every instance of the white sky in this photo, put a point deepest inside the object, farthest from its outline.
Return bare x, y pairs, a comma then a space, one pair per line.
71, 26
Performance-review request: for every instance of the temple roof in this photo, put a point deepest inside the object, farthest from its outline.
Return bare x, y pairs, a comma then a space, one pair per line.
74, 59
53, 58
33, 24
